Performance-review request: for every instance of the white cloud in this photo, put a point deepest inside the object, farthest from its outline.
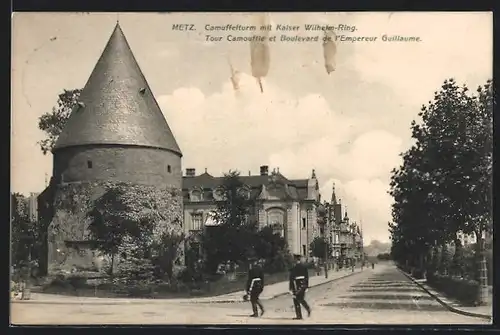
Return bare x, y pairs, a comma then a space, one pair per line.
451, 42
367, 202
373, 154
242, 130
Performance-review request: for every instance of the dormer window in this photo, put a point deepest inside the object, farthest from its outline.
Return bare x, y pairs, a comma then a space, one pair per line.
244, 192
218, 194
196, 195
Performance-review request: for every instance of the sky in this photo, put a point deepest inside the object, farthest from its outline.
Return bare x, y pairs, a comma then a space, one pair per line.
349, 126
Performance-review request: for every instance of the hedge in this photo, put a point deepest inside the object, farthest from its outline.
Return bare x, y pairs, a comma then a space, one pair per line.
464, 290
77, 285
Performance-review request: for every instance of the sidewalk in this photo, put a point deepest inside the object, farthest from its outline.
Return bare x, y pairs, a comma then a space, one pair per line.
485, 312
270, 291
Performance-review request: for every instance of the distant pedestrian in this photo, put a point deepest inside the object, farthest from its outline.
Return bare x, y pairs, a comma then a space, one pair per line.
299, 283
373, 265
255, 286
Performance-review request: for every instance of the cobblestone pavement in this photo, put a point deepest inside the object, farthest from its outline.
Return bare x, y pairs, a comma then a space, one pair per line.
379, 296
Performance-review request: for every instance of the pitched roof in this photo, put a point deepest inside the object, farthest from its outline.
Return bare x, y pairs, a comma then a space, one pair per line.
295, 189
117, 106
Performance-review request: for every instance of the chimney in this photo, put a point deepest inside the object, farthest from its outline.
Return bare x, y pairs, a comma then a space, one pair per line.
190, 172
33, 206
264, 170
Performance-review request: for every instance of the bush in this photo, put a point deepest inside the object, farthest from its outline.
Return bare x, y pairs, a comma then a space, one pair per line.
77, 281
279, 263
464, 290
67, 281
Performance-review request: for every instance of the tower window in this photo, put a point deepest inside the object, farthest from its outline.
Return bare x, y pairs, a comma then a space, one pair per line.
169, 168
89, 164
303, 223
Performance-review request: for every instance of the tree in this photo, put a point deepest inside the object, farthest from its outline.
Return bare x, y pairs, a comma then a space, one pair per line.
23, 234
232, 238
147, 216
445, 259
52, 123
444, 184
268, 244
271, 246
135, 269
318, 246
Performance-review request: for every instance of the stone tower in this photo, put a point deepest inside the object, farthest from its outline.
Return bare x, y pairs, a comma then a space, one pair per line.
116, 133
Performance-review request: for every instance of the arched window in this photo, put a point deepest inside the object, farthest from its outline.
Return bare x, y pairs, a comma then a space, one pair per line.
276, 220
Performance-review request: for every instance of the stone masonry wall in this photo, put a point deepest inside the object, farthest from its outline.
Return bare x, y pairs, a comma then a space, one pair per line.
147, 166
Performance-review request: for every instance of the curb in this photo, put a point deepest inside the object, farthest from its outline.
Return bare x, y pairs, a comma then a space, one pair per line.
158, 301
444, 304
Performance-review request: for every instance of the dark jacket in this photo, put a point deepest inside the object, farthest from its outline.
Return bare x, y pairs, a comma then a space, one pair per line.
299, 270
255, 272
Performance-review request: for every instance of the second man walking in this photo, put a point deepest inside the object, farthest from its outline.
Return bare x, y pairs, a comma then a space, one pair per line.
299, 282
255, 286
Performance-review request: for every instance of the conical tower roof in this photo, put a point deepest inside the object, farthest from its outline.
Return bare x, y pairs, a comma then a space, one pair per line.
116, 106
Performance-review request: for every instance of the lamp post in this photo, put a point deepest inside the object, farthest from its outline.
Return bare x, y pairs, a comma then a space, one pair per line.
353, 249
26, 289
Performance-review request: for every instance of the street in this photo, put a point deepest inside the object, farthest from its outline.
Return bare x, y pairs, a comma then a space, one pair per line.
379, 296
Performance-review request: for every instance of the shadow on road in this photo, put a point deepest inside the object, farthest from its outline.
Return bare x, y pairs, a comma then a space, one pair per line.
382, 289
364, 285
277, 318
386, 292
389, 297
387, 306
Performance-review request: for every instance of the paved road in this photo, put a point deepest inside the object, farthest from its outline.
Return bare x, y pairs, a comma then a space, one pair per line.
380, 296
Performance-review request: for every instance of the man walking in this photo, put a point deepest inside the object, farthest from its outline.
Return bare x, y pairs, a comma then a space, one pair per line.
299, 283
255, 286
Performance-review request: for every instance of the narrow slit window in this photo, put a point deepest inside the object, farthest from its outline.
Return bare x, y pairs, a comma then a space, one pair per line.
169, 169
89, 164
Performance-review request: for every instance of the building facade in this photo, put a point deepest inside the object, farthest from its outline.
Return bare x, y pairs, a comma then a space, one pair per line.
345, 237
289, 206
468, 239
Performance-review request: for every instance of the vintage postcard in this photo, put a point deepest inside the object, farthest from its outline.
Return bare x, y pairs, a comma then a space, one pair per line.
251, 168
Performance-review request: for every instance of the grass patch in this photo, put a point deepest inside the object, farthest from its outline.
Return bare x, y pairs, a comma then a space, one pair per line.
464, 290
